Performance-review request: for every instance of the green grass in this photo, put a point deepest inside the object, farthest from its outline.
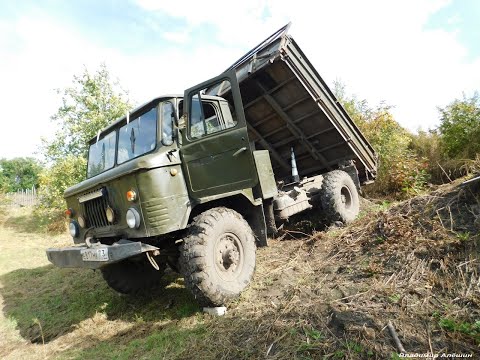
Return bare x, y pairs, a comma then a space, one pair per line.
79, 317
463, 236
62, 298
165, 343
23, 220
471, 330
42, 303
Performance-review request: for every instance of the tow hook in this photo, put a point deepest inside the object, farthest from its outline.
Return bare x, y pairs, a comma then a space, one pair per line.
88, 242
152, 260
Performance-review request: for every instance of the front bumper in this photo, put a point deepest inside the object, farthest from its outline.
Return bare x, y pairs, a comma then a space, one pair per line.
73, 257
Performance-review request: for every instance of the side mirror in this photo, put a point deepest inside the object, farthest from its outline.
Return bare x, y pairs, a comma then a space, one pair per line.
182, 122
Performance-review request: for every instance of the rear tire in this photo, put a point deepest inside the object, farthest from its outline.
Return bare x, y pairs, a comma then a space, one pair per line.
217, 257
133, 276
339, 197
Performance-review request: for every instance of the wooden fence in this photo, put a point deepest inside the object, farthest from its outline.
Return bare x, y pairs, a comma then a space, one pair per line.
25, 197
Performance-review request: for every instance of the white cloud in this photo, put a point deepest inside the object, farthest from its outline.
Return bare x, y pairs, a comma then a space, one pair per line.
379, 49
36, 57
48, 54
179, 37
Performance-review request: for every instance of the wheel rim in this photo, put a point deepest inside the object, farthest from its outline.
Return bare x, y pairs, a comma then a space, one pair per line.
228, 256
346, 197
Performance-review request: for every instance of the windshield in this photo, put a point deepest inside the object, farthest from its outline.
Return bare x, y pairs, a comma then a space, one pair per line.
138, 137
101, 155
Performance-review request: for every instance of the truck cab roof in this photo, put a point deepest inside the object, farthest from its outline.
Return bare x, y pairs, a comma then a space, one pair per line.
139, 109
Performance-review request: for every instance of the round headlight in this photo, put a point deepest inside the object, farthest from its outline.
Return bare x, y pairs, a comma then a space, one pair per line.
110, 214
133, 218
81, 222
73, 228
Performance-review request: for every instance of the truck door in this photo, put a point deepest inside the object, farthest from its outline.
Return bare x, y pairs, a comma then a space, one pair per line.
215, 150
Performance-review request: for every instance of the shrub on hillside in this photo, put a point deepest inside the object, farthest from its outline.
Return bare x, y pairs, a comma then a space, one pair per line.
53, 183
401, 171
460, 127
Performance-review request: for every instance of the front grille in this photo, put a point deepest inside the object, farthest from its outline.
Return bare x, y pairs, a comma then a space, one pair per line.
95, 212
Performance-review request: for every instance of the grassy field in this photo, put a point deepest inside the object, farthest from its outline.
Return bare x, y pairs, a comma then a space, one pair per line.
328, 295
69, 313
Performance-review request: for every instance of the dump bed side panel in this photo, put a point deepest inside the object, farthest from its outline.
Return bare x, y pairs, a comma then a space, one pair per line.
287, 104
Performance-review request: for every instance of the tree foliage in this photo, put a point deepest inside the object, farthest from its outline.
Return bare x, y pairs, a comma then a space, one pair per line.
18, 173
400, 169
460, 127
91, 103
57, 178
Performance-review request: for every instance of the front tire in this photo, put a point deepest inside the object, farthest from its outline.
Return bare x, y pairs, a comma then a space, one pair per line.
340, 200
217, 257
133, 276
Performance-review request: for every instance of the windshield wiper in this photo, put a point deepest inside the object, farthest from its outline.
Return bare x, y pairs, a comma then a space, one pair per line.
132, 140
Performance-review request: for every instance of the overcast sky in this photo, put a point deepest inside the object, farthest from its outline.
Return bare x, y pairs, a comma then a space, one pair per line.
414, 55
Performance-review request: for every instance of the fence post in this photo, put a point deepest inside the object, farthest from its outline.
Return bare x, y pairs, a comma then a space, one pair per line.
22, 197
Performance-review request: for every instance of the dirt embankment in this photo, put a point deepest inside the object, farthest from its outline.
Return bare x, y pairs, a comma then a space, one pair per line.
415, 265
329, 295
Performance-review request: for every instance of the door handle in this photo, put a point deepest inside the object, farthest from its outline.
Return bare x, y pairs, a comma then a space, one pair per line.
239, 151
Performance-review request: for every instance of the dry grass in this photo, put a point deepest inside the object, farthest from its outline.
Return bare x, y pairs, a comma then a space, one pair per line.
332, 295
328, 295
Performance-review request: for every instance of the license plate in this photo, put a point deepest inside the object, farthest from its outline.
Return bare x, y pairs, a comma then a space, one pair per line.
95, 254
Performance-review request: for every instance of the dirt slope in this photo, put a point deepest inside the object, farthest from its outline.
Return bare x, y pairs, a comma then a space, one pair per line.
415, 264
326, 296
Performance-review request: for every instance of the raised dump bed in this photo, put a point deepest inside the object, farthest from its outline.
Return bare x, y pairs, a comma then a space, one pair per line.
287, 104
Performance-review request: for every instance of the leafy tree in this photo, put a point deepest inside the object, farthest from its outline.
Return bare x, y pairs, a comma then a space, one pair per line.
18, 173
90, 104
460, 127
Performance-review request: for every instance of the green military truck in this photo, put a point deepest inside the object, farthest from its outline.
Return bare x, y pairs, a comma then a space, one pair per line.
198, 181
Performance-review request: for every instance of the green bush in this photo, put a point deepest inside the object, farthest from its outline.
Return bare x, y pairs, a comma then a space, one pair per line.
460, 127
401, 171
91, 103
53, 183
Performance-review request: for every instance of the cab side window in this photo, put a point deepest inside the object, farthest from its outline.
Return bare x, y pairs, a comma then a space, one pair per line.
168, 116
206, 118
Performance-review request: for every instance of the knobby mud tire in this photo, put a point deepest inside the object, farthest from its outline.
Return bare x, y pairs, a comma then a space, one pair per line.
339, 197
133, 276
217, 257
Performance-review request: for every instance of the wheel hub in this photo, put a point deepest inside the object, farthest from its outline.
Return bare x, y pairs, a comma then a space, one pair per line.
346, 197
228, 256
